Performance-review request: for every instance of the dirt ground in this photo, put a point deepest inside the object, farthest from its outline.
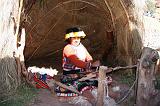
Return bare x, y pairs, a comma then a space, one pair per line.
46, 98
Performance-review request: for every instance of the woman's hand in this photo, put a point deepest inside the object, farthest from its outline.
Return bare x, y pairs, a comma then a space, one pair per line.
96, 64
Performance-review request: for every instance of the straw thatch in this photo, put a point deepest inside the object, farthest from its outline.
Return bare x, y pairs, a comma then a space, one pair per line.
8, 67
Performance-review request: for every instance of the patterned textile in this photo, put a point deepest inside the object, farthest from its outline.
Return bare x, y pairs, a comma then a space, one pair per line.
73, 82
39, 80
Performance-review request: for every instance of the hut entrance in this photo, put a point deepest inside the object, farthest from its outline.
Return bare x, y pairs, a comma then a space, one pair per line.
100, 20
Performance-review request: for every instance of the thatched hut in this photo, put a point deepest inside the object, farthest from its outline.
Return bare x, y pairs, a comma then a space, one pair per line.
114, 31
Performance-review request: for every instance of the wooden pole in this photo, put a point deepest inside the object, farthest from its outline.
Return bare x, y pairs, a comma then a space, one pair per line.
101, 86
53, 81
146, 69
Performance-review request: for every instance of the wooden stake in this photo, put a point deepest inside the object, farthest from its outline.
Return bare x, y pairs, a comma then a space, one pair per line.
101, 86
146, 92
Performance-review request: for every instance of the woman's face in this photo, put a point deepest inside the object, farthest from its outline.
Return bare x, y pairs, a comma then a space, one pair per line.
75, 41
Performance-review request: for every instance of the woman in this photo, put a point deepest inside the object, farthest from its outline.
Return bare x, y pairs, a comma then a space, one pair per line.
76, 60
75, 56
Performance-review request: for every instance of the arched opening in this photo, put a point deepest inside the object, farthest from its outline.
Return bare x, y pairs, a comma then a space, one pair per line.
106, 27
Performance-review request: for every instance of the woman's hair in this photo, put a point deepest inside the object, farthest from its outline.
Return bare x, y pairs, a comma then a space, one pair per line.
68, 40
73, 29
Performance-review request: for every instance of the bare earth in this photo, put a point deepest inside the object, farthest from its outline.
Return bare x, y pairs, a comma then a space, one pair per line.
46, 98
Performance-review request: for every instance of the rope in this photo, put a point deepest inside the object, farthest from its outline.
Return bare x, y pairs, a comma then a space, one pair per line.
106, 82
107, 90
130, 89
107, 95
127, 94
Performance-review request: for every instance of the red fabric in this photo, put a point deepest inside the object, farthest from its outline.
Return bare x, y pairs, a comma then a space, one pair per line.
40, 83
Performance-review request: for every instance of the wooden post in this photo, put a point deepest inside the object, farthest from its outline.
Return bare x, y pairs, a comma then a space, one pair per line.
101, 86
146, 76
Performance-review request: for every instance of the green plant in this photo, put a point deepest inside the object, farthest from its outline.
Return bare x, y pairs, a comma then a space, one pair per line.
157, 82
22, 96
127, 79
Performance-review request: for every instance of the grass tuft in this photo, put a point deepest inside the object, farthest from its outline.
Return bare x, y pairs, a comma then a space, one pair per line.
22, 96
127, 79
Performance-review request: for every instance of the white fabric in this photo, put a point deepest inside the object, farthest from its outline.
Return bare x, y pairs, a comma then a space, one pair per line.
48, 71
80, 51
